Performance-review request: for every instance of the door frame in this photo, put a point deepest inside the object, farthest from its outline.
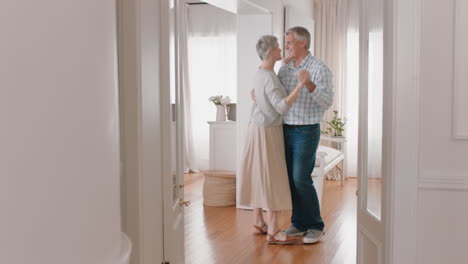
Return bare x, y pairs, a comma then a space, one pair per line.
172, 127
402, 108
139, 36
369, 226
140, 118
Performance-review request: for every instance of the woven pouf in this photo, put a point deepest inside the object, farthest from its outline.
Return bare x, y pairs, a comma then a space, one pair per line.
219, 188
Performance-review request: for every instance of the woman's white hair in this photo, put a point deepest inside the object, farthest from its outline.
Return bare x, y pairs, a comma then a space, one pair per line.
265, 44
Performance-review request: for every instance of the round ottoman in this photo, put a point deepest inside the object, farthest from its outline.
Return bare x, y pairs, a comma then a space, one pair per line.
219, 188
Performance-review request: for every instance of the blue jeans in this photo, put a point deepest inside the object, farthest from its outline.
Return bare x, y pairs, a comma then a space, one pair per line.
301, 143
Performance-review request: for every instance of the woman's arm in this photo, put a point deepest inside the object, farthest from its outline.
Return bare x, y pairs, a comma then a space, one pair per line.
282, 103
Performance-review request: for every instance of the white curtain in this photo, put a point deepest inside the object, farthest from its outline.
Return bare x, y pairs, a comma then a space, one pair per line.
189, 152
211, 60
351, 87
337, 43
330, 44
375, 88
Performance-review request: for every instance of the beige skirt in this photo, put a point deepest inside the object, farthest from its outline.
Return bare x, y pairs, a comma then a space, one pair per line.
263, 176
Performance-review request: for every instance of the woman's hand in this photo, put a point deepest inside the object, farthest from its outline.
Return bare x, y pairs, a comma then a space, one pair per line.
291, 56
303, 77
302, 81
287, 59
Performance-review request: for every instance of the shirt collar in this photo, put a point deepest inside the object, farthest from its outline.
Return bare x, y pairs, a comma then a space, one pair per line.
304, 61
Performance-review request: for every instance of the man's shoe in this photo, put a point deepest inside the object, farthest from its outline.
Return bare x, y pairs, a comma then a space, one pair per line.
313, 236
292, 231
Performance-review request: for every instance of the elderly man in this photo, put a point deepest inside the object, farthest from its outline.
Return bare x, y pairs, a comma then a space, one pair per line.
302, 132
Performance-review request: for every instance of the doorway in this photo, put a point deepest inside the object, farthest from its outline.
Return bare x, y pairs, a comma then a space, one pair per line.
174, 182
373, 187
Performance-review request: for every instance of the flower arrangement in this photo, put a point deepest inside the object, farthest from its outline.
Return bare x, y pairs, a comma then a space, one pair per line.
335, 126
220, 100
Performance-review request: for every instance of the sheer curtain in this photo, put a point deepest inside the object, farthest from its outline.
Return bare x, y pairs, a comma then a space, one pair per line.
211, 61
330, 44
189, 152
375, 88
351, 87
337, 43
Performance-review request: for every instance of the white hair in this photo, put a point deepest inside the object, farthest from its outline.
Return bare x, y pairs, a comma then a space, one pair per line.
265, 44
300, 33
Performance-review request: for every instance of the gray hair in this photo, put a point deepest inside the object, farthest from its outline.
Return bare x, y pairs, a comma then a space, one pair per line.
300, 33
265, 44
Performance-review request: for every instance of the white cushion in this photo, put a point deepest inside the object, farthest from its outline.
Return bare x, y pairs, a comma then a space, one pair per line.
331, 154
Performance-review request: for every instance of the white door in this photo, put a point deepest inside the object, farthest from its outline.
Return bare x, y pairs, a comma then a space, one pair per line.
370, 227
172, 126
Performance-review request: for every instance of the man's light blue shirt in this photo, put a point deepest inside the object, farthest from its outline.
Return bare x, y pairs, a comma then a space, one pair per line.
308, 109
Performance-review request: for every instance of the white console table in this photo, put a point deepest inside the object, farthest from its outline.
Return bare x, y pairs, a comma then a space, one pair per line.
223, 148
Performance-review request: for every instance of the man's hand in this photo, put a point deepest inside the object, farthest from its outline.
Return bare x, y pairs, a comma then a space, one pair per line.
252, 94
310, 85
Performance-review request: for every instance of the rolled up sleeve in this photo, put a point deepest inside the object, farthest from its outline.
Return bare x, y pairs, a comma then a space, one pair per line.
323, 93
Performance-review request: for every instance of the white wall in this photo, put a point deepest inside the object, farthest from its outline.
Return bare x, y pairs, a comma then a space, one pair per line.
295, 17
437, 95
229, 5
443, 179
59, 136
304, 7
303, 11
276, 9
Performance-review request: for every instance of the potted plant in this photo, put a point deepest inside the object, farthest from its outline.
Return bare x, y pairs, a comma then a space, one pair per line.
335, 126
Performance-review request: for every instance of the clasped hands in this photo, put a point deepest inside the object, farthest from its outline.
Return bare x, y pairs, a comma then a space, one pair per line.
302, 78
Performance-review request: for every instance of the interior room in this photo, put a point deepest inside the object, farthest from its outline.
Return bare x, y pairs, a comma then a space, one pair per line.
92, 131
220, 46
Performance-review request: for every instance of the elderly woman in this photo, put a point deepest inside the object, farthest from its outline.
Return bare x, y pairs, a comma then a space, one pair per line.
264, 179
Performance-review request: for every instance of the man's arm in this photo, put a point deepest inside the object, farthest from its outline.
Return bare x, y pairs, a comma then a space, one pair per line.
323, 93
310, 86
252, 95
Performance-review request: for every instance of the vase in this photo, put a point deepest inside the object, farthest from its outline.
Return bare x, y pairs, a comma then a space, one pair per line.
220, 113
231, 112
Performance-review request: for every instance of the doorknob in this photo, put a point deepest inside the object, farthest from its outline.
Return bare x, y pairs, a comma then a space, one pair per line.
184, 203
357, 192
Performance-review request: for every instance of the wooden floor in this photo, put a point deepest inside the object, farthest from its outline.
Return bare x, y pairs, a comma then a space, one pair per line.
224, 234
